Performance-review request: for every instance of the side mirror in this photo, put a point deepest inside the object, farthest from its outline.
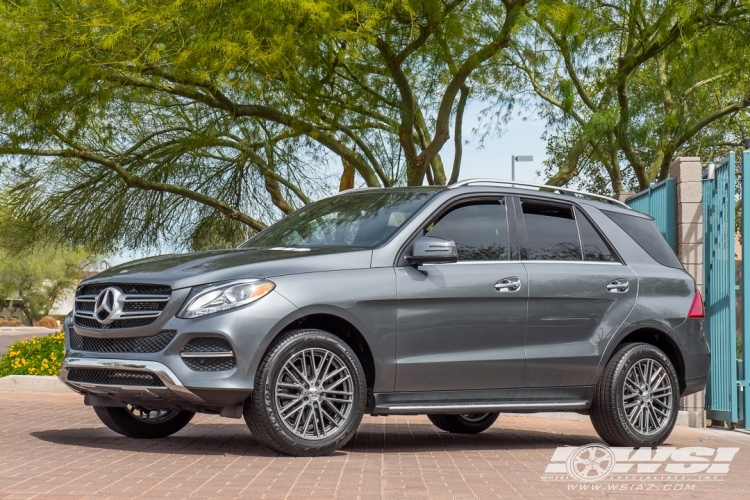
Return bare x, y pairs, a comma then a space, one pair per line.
429, 249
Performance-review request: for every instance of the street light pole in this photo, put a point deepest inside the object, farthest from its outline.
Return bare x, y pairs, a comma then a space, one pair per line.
513, 160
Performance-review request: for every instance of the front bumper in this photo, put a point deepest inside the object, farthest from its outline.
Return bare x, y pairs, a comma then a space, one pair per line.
248, 330
173, 395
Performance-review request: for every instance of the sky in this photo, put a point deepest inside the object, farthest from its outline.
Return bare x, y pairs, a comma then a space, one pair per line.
493, 160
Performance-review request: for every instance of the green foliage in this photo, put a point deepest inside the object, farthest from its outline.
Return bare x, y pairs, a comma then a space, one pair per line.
132, 123
35, 356
37, 275
627, 86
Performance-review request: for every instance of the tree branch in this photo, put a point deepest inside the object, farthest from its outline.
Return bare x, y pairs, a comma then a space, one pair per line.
132, 180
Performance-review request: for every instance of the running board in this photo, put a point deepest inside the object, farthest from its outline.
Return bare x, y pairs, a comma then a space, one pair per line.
519, 407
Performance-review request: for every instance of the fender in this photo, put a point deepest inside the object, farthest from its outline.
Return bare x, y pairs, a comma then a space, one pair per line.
300, 313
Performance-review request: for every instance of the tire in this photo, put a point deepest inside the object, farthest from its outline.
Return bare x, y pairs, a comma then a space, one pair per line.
625, 411
279, 412
135, 423
469, 423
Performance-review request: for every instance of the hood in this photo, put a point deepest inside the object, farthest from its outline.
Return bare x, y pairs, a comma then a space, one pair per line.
192, 269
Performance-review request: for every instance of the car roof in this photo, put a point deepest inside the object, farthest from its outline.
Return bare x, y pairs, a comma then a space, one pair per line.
516, 188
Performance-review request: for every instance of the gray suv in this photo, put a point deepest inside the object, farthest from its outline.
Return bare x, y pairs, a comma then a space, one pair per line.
458, 303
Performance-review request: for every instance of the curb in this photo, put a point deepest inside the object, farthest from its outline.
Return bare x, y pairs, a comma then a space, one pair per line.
32, 383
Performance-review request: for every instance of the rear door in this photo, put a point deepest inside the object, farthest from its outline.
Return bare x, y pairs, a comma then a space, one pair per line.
579, 293
462, 325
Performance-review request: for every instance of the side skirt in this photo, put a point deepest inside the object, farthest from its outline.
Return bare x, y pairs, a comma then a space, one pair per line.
522, 400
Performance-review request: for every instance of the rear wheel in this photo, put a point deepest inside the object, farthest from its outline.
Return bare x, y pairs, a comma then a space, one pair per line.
142, 423
465, 423
636, 400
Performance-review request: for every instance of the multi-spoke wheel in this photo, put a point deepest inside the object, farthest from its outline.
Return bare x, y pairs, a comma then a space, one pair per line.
313, 393
144, 423
636, 399
309, 394
465, 423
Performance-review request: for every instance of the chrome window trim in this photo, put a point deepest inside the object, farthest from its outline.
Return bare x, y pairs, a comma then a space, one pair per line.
585, 262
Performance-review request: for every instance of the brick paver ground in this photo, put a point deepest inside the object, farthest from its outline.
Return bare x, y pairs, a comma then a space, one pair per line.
52, 446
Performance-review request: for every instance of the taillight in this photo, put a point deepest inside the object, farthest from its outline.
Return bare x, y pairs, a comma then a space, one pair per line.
696, 308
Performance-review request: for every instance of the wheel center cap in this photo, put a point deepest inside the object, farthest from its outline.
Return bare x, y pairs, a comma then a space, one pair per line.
313, 393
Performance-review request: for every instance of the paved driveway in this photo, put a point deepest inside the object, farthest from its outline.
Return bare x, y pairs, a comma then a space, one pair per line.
51, 446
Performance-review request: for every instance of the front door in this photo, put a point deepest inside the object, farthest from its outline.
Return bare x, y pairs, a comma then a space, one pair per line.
579, 294
462, 325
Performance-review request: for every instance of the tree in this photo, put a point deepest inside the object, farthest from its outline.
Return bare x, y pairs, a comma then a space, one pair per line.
33, 276
138, 121
627, 85
40, 277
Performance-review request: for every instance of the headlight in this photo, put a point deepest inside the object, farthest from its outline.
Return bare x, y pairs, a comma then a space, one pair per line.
215, 298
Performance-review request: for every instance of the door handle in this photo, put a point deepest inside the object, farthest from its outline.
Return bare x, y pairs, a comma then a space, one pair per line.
511, 284
618, 286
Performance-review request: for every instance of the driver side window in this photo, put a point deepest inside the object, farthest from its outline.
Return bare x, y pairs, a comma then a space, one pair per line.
480, 230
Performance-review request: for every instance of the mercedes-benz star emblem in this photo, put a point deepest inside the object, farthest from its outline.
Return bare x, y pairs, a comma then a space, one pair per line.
108, 305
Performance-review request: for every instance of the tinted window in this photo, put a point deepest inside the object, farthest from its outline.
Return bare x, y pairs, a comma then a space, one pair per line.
551, 231
479, 230
646, 234
594, 247
352, 220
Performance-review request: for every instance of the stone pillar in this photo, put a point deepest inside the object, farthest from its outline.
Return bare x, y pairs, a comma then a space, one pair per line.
623, 196
689, 245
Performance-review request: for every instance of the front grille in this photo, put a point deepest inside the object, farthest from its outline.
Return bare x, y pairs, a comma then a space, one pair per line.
128, 288
116, 324
153, 343
109, 376
209, 364
208, 354
132, 305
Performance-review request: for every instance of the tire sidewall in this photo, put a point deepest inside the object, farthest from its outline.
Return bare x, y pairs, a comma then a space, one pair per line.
319, 339
630, 358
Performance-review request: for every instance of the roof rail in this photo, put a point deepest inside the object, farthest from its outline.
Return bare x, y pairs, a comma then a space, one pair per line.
565, 191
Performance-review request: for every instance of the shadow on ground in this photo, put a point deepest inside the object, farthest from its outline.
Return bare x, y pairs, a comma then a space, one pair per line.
235, 439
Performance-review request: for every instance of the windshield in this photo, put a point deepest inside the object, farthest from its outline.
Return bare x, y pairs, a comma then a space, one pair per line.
353, 220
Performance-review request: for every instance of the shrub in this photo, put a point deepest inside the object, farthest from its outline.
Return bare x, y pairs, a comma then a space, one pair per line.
13, 322
3, 322
35, 356
48, 322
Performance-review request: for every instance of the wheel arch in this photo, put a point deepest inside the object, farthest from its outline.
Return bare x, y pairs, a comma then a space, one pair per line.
649, 334
346, 331
335, 321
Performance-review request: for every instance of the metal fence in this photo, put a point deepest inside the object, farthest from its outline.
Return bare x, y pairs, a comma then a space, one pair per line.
720, 286
658, 201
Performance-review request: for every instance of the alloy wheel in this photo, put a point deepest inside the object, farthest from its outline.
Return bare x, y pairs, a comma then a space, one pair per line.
314, 393
151, 416
647, 396
474, 417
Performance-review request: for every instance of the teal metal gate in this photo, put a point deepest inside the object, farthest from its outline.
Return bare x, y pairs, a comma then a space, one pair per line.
658, 201
720, 287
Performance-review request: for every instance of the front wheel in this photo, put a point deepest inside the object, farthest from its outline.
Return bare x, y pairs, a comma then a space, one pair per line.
142, 423
309, 395
465, 423
636, 400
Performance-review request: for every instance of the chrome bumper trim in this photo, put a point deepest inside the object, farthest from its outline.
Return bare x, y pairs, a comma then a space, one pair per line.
170, 380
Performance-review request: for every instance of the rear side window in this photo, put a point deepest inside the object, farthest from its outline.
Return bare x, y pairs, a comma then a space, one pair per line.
645, 233
480, 230
551, 231
594, 247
